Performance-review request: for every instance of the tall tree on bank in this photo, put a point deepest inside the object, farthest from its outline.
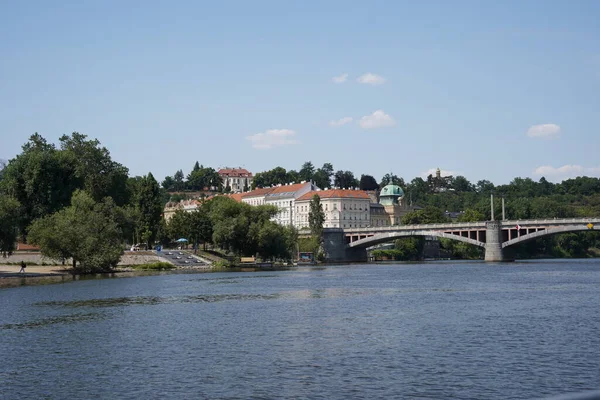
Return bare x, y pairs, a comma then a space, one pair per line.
316, 219
9, 224
149, 206
86, 231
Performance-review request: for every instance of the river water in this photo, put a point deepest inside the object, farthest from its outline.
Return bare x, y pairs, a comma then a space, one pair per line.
434, 331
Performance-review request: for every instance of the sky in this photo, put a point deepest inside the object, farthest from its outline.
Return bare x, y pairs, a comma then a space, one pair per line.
488, 90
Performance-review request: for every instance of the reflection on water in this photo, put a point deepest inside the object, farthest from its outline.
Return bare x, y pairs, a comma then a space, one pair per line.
62, 319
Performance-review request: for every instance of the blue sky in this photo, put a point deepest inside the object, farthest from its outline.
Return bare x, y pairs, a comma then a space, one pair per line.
488, 90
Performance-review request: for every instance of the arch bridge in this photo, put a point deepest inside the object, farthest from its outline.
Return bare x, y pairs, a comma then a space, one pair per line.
350, 244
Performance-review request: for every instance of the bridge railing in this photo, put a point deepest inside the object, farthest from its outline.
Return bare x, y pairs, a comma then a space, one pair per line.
473, 225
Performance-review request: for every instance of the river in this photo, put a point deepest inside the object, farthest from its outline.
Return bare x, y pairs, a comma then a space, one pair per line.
447, 330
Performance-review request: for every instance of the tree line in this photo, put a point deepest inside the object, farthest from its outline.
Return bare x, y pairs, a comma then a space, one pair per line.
76, 202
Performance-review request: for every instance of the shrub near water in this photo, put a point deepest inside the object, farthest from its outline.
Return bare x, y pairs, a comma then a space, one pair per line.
157, 266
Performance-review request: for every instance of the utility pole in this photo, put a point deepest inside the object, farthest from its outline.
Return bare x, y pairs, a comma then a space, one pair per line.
492, 204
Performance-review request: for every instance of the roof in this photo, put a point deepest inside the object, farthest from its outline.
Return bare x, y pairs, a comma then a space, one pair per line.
254, 193
235, 172
258, 192
237, 196
336, 194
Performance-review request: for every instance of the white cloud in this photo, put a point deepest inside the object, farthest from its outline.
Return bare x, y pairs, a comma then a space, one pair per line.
340, 122
340, 79
544, 131
273, 138
371, 79
565, 172
443, 172
378, 119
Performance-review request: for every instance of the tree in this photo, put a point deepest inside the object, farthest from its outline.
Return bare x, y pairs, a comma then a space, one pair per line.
367, 182
168, 184
178, 179
149, 205
471, 215
200, 226
391, 179
196, 167
41, 179
322, 176
344, 180
428, 215
316, 217
307, 171
461, 184
293, 176
9, 223
95, 171
86, 231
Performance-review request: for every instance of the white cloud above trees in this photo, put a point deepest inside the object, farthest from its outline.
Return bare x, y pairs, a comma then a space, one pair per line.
273, 138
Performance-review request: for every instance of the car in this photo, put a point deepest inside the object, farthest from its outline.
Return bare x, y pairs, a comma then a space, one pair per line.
170, 253
178, 257
198, 262
180, 253
190, 257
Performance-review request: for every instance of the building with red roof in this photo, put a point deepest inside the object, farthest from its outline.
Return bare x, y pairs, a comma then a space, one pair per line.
238, 179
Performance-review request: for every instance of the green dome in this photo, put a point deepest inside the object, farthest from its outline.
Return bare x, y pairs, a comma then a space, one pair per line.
392, 190
390, 194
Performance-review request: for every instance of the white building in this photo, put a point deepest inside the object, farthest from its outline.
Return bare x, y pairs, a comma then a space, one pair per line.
284, 198
342, 208
238, 179
256, 197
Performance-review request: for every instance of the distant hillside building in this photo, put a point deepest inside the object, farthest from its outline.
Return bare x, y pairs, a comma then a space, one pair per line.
238, 179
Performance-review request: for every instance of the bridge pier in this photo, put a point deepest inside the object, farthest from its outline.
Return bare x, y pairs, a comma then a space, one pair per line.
493, 242
334, 245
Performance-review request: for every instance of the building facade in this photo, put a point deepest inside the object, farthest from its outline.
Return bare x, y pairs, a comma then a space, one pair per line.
342, 208
237, 179
284, 198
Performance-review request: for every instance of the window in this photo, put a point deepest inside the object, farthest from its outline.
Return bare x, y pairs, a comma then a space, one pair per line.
335, 206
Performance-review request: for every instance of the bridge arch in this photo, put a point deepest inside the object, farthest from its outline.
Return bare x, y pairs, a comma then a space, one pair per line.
389, 236
545, 232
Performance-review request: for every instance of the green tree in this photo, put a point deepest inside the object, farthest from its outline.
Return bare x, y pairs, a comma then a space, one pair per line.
168, 183
391, 179
95, 171
344, 180
428, 215
41, 179
307, 171
322, 176
9, 223
471, 215
367, 182
149, 205
86, 231
316, 217
178, 180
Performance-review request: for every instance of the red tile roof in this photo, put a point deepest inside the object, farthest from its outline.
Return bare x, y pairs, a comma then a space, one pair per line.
289, 188
233, 172
336, 194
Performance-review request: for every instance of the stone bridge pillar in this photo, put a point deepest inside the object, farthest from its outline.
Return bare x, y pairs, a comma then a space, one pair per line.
493, 241
334, 245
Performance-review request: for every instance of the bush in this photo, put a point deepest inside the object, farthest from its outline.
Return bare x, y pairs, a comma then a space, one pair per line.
157, 266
